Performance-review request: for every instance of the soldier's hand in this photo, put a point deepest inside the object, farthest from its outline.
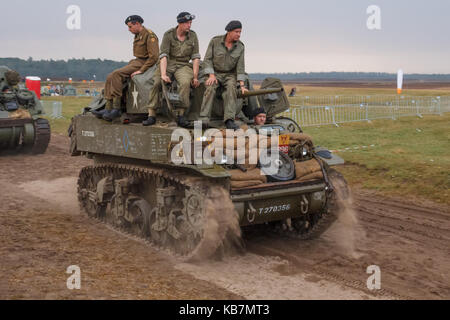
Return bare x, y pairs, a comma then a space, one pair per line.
136, 73
195, 83
166, 79
211, 80
244, 90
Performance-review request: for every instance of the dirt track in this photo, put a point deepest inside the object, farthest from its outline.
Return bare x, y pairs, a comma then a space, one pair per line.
42, 233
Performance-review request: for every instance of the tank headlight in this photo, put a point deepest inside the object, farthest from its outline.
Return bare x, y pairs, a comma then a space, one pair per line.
224, 159
304, 152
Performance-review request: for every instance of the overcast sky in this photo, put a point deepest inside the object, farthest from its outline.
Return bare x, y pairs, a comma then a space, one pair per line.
279, 36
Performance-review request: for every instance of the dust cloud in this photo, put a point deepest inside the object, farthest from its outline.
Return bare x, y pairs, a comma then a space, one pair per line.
61, 192
346, 232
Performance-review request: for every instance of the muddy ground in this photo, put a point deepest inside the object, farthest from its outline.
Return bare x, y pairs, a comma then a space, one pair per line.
42, 233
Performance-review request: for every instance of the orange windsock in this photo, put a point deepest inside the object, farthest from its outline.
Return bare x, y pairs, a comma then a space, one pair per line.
399, 81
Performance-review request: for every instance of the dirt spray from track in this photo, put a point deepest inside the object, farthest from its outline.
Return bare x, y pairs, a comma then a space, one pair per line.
222, 231
346, 231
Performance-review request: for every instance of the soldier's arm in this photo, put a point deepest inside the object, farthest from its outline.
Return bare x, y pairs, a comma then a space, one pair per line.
240, 68
195, 57
208, 61
153, 53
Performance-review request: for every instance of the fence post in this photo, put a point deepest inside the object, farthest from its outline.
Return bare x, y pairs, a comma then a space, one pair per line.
393, 107
367, 109
57, 110
439, 105
333, 115
417, 109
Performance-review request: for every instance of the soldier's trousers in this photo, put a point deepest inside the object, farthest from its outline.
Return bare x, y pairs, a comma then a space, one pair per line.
183, 75
228, 81
115, 80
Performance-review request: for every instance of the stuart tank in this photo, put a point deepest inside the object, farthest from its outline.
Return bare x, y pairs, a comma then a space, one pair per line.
187, 193
22, 128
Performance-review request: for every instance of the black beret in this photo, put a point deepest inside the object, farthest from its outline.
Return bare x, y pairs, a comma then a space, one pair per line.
233, 25
134, 18
185, 17
259, 111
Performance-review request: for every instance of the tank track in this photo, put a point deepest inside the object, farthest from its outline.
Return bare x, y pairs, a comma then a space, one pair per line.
41, 137
174, 211
313, 226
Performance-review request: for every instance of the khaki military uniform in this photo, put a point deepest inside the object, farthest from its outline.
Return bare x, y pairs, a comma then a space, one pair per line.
229, 67
178, 54
146, 51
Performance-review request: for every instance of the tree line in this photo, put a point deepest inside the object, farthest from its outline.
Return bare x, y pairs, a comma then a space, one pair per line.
98, 69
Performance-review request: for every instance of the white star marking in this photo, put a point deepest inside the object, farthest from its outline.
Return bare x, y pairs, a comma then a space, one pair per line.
135, 96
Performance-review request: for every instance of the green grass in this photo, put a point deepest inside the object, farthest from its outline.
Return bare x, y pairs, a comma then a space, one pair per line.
411, 156
71, 107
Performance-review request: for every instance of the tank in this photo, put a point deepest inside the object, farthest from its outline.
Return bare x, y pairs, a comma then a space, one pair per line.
21, 127
147, 181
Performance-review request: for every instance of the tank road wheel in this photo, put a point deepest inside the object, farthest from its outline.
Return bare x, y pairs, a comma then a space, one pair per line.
157, 236
87, 196
191, 223
209, 223
140, 212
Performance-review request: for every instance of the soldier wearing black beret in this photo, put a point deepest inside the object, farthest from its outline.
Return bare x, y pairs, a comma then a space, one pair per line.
259, 116
225, 65
146, 51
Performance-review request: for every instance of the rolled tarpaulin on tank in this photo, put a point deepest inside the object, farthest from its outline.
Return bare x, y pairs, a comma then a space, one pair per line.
34, 84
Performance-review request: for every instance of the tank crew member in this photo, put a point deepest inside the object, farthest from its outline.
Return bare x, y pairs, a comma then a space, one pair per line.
224, 62
178, 47
259, 117
146, 51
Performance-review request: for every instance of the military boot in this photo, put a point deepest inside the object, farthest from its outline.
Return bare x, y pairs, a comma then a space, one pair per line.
99, 113
110, 116
231, 125
108, 109
182, 122
151, 120
116, 111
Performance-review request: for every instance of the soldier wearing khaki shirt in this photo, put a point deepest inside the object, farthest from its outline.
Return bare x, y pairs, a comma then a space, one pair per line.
178, 47
146, 51
224, 62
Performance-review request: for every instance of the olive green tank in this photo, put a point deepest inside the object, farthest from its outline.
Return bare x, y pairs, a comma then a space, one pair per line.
21, 127
146, 182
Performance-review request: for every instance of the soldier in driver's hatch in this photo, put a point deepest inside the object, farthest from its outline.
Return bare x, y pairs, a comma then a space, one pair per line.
224, 62
146, 51
178, 47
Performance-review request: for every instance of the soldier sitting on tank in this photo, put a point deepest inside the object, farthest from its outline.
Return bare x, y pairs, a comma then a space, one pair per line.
146, 51
178, 47
224, 62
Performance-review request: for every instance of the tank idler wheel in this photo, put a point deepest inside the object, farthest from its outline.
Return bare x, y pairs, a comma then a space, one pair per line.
140, 210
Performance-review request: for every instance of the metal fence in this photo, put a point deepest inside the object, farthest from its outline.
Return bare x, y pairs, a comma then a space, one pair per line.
53, 109
325, 110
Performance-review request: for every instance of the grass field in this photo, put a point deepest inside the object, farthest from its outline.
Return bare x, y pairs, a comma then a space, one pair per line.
405, 157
